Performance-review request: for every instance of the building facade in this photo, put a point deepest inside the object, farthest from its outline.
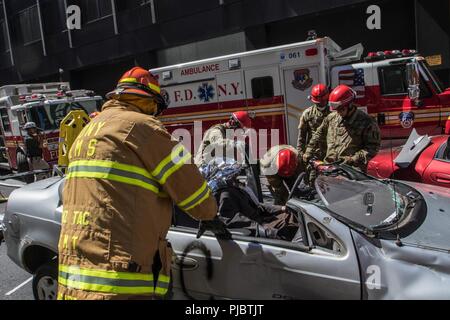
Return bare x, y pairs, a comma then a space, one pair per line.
114, 35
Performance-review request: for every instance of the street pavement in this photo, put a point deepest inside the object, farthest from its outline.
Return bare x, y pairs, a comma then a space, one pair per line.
15, 283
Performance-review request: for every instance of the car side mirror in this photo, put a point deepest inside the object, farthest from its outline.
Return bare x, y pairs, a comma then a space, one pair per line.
412, 75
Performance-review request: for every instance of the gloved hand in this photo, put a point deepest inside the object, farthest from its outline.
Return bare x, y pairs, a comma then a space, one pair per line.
216, 226
348, 160
306, 157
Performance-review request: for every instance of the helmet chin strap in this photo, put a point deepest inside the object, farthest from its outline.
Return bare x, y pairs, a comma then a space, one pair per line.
321, 108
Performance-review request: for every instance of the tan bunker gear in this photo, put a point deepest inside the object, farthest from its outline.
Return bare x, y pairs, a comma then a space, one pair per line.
124, 176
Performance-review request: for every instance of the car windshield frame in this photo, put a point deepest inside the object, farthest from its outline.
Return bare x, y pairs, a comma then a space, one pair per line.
436, 83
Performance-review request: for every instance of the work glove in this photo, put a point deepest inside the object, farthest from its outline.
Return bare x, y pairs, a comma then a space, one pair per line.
348, 160
306, 157
216, 226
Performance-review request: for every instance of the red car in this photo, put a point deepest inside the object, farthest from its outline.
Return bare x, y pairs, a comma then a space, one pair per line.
422, 159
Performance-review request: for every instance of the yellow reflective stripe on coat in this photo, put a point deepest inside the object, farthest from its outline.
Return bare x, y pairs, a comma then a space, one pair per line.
195, 199
162, 285
169, 165
109, 170
104, 281
152, 86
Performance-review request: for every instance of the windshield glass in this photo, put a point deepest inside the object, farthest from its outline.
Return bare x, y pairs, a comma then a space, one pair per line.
369, 203
430, 74
49, 116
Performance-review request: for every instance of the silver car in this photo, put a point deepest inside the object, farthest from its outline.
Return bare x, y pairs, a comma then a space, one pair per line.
360, 238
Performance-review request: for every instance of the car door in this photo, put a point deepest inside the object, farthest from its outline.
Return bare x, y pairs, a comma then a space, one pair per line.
438, 171
258, 268
397, 114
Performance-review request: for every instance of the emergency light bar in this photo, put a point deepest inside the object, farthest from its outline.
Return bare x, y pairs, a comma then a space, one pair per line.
31, 98
61, 94
389, 54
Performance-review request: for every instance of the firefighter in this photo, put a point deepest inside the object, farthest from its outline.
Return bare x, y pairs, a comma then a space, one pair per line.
281, 167
215, 138
125, 172
311, 119
34, 144
350, 134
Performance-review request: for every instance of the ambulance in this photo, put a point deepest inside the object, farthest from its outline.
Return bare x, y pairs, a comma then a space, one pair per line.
45, 104
396, 87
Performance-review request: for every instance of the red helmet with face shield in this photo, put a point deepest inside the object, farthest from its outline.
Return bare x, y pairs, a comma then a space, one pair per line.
341, 97
242, 119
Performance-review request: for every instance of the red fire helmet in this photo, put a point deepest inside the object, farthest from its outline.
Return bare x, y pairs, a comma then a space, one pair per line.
320, 94
141, 82
243, 118
287, 163
341, 96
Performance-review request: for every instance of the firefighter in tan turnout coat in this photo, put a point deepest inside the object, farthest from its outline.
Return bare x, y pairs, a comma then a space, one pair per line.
125, 173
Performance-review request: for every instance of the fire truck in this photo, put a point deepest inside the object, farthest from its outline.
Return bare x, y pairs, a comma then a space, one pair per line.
45, 104
396, 87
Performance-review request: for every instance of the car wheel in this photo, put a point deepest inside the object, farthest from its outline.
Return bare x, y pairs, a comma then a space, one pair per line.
22, 166
45, 282
22, 162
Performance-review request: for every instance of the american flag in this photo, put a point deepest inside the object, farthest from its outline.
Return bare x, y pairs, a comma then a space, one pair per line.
354, 78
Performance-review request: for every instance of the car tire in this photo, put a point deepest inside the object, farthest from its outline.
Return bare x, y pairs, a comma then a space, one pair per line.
45, 282
22, 162
23, 166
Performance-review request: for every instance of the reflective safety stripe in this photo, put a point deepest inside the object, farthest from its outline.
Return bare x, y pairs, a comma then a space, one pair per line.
196, 199
171, 164
162, 285
105, 281
109, 170
152, 86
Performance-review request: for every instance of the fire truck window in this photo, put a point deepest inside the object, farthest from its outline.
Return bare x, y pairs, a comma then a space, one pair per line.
41, 118
393, 80
5, 120
262, 87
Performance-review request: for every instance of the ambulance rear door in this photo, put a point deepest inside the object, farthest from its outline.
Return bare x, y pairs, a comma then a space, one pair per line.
265, 101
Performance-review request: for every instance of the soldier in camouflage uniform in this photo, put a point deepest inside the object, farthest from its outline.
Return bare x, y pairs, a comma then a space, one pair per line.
215, 139
350, 134
310, 121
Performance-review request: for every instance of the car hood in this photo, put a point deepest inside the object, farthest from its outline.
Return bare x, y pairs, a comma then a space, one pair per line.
434, 232
41, 185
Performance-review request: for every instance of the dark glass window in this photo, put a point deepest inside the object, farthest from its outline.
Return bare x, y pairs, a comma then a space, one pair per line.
29, 25
5, 120
262, 87
123, 5
53, 16
393, 80
3, 37
95, 9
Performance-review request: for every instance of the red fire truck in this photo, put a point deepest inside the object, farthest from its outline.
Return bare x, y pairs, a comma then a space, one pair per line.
46, 104
396, 87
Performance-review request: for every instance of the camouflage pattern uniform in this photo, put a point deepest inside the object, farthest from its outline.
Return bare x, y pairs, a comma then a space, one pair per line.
310, 121
214, 140
357, 137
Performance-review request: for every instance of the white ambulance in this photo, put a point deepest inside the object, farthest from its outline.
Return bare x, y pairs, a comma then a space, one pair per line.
396, 87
